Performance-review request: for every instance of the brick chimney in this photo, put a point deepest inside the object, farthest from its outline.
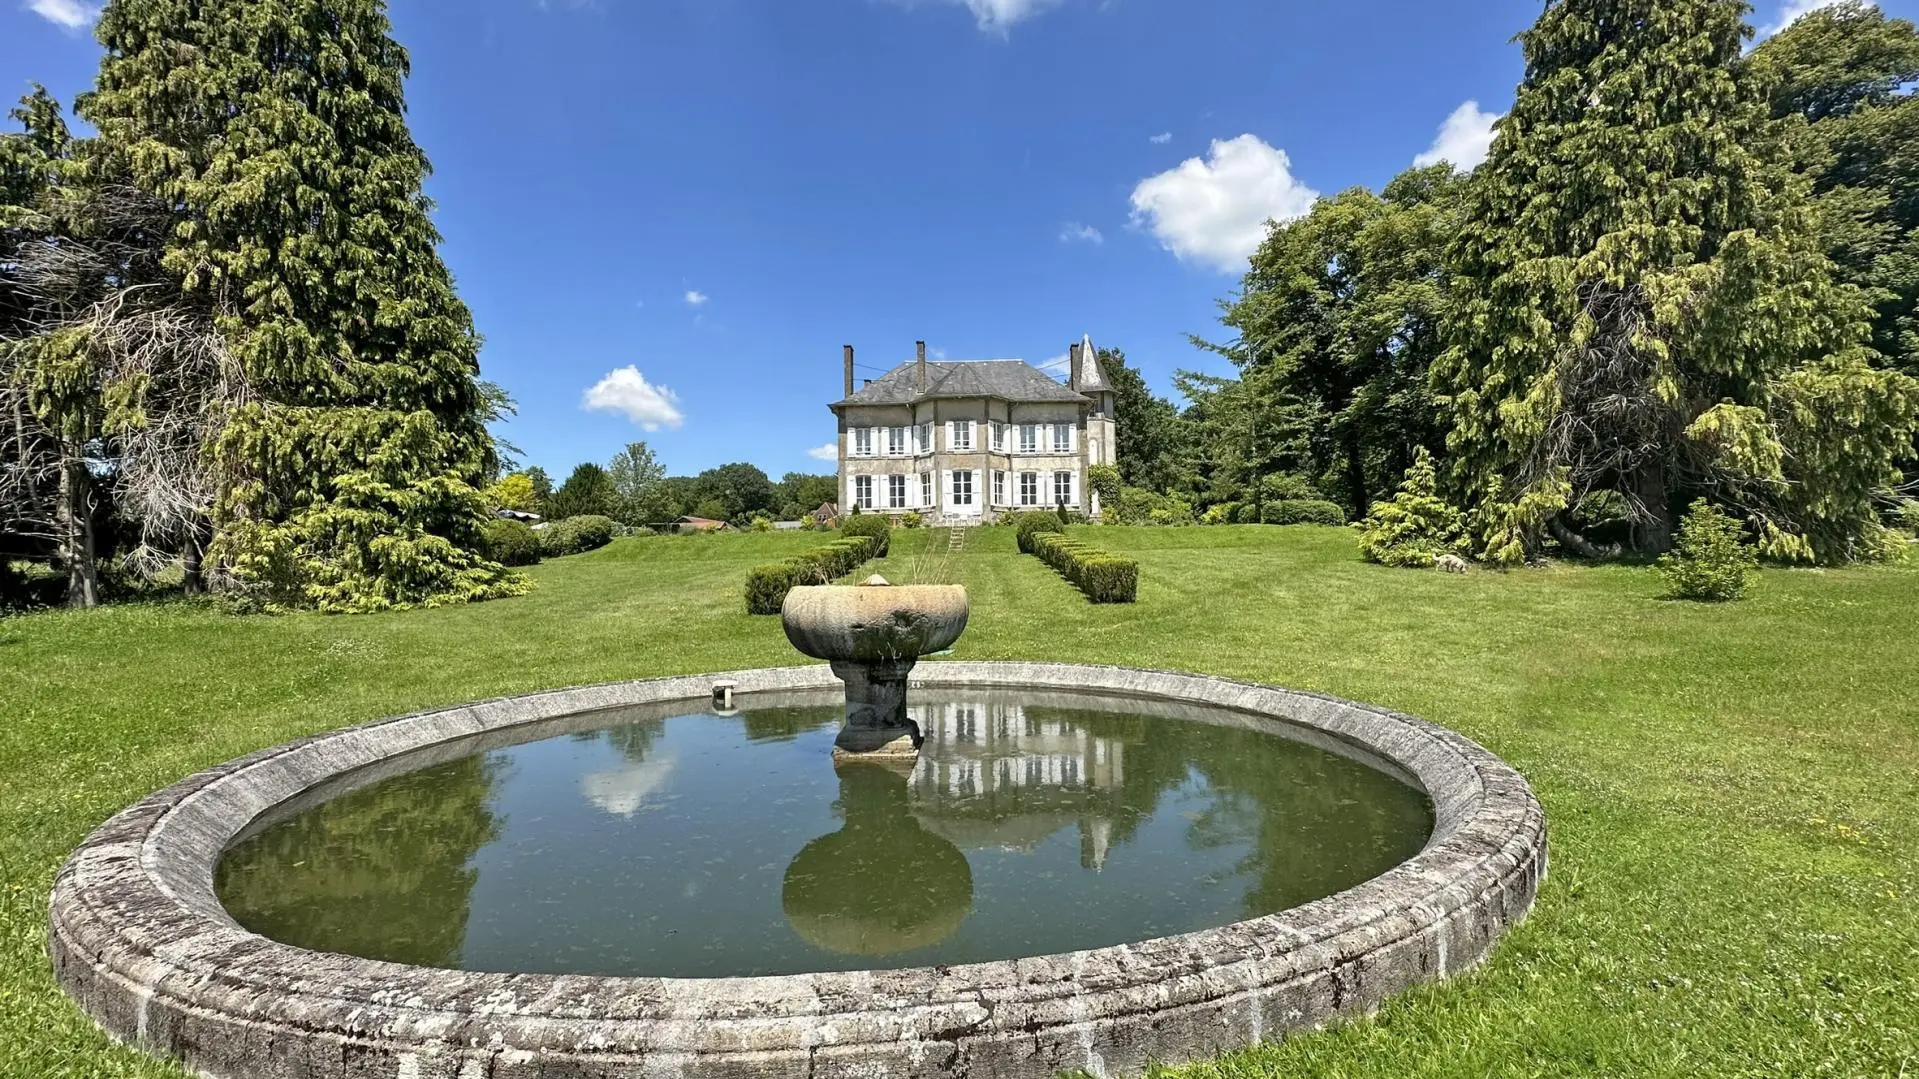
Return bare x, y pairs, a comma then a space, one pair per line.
849, 370
1073, 365
922, 352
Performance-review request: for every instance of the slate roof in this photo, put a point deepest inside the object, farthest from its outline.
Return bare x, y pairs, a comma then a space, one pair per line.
1008, 380
1092, 377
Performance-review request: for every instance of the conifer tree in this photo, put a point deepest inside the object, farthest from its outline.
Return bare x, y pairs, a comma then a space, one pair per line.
276, 131
1641, 303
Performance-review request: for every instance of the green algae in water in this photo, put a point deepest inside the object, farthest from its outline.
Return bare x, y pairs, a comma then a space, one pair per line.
702, 845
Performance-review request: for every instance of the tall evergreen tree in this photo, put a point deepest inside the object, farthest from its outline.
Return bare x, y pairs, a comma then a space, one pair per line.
1148, 431
1641, 305
276, 130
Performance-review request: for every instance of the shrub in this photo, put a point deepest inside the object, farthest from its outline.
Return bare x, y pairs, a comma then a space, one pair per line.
1289, 487
576, 535
1302, 511
809, 522
1102, 577
511, 543
1246, 514
1416, 527
767, 585
1037, 522
1905, 516
866, 524
1221, 514
1709, 560
1104, 481
1172, 512
1135, 506
912, 520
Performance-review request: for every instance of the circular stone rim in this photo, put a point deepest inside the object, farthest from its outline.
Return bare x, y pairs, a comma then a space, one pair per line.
140, 941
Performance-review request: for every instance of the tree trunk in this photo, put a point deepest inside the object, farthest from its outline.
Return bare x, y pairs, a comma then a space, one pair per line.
1652, 534
1356, 477
1576, 543
192, 556
76, 530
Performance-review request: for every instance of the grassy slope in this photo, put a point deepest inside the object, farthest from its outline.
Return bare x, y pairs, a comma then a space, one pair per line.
1733, 791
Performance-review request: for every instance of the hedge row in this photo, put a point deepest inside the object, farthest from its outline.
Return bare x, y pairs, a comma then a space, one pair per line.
1103, 577
767, 586
576, 535
1034, 523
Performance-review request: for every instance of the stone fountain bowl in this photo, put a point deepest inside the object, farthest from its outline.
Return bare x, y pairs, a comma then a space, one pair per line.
874, 623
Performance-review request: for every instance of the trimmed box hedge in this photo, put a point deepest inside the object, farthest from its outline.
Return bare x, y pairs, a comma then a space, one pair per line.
1303, 511
1035, 523
576, 535
1105, 578
767, 585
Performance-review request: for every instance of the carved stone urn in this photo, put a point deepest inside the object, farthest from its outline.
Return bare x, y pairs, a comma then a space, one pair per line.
873, 633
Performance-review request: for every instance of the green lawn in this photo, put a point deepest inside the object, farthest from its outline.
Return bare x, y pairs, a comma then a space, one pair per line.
1733, 791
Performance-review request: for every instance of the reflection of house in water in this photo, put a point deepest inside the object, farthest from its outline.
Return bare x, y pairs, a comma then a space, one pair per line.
996, 775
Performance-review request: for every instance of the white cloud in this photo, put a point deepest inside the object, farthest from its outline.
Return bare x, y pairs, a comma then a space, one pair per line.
1058, 363
828, 452
1791, 12
694, 297
1161, 139
71, 14
1074, 232
1214, 211
626, 390
1464, 139
996, 16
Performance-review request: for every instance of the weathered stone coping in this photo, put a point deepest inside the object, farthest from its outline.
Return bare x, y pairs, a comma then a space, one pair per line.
140, 941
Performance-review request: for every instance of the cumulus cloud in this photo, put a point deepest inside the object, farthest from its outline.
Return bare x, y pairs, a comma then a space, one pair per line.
1214, 210
626, 390
828, 452
1074, 232
1161, 139
71, 14
1464, 139
1791, 12
694, 297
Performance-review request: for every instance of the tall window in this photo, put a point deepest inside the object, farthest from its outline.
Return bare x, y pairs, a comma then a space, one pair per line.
926, 489
862, 442
1062, 488
863, 492
999, 488
1029, 438
962, 434
896, 441
1062, 438
924, 434
997, 432
1029, 488
896, 492
962, 487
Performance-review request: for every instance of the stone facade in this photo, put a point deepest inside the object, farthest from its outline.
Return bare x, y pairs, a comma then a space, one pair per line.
961, 443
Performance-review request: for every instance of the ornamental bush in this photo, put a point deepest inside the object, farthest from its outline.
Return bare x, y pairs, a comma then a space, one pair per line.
912, 520
1303, 511
1172, 512
1221, 514
767, 585
875, 525
576, 535
1105, 482
1037, 522
1709, 560
511, 543
1416, 527
1246, 514
1104, 578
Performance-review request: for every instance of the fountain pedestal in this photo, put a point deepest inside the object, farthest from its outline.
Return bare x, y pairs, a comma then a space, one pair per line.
873, 634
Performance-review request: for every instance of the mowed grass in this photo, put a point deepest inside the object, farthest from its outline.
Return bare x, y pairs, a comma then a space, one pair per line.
1732, 791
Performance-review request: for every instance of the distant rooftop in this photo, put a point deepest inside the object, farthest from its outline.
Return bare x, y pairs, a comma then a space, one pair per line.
1007, 380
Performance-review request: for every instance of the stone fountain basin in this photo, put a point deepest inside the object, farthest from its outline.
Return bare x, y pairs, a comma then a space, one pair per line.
140, 941
874, 623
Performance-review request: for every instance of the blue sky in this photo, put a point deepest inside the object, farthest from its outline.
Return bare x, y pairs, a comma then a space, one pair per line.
677, 211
